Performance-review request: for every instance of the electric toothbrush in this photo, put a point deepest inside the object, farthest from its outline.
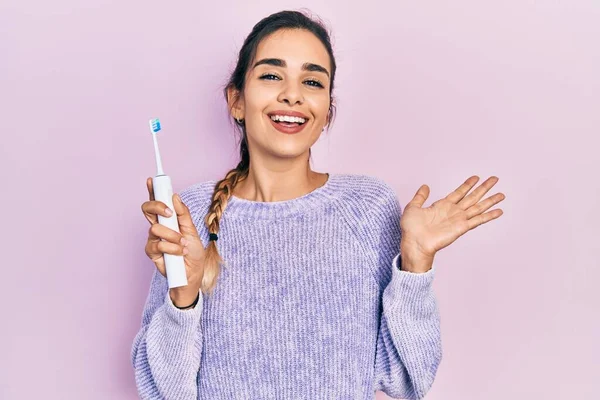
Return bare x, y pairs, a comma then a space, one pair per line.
163, 191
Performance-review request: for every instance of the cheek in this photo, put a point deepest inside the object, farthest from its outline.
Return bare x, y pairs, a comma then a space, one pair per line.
320, 107
258, 97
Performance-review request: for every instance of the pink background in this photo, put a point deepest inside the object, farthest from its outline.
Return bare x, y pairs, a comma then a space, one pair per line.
427, 93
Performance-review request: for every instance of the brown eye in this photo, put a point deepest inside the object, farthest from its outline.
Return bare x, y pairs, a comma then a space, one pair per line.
317, 83
264, 77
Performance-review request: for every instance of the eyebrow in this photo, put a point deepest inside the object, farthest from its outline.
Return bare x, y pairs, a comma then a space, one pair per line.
278, 62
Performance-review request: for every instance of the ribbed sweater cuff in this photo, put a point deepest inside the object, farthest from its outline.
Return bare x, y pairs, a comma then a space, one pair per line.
413, 317
411, 288
173, 347
397, 263
186, 319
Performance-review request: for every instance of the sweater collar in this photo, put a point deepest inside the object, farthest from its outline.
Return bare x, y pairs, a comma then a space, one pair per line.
318, 198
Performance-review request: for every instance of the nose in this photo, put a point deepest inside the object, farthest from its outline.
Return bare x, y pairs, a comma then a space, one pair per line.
291, 94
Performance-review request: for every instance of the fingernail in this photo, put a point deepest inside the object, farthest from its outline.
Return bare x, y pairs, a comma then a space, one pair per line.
168, 212
185, 250
183, 241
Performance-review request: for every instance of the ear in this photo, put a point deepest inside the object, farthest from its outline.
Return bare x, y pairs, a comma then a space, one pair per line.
235, 102
328, 119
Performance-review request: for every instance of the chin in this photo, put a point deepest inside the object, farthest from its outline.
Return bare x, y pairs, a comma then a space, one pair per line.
288, 151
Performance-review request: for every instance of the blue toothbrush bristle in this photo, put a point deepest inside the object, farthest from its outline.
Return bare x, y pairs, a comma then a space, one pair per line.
155, 124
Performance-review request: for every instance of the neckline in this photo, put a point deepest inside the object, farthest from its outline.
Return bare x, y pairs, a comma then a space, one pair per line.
239, 207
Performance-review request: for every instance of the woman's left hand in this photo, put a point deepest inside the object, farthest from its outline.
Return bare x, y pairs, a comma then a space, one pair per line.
428, 230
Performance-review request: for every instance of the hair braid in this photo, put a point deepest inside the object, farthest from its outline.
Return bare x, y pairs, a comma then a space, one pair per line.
222, 193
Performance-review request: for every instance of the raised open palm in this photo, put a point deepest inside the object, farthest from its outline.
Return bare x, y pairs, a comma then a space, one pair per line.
430, 229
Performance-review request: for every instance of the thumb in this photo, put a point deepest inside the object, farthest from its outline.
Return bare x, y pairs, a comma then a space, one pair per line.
420, 197
184, 218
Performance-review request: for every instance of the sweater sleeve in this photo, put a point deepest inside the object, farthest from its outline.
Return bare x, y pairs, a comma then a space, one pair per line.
166, 350
409, 347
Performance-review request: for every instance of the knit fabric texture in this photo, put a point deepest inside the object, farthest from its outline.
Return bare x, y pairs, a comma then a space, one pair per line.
311, 303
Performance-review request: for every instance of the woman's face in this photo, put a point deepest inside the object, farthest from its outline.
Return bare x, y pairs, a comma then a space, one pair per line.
291, 72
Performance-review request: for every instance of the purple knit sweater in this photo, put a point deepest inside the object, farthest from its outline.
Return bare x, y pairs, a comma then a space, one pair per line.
311, 304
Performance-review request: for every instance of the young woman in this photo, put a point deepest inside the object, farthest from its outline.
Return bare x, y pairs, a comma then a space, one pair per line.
319, 287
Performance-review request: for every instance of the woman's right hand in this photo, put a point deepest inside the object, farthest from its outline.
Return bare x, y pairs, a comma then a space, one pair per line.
191, 249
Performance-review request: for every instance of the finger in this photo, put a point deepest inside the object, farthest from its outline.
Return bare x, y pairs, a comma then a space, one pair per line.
171, 248
478, 193
165, 233
483, 218
463, 189
150, 216
152, 209
420, 197
484, 205
156, 256
151, 235
186, 224
150, 188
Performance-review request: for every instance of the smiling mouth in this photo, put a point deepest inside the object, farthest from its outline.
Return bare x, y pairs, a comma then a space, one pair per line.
288, 127
288, 123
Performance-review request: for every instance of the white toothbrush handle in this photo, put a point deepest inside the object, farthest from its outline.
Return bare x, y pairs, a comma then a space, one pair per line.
175, 265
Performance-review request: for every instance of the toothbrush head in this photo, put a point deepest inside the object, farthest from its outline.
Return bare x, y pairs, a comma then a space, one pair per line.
154, 125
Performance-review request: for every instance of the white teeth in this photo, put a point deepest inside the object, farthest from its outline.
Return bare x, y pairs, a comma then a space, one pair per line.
287, 118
